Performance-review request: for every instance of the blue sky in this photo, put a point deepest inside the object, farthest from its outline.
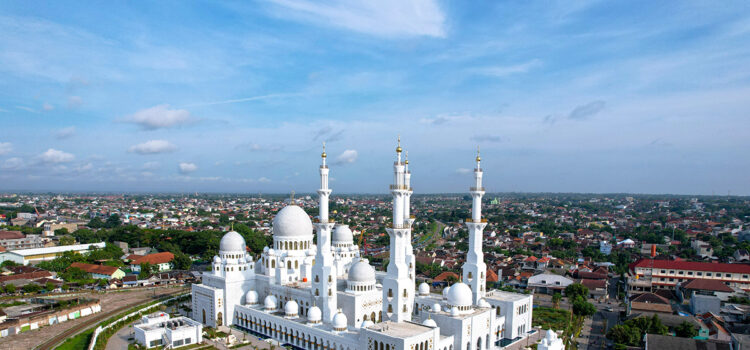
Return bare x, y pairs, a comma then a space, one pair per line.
582, 96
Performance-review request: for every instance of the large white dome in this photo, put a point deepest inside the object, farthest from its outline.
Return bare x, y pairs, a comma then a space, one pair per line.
460, 295
291, 308
269, 303
232, 242
314, 315
292, 222
342, 235
361, 271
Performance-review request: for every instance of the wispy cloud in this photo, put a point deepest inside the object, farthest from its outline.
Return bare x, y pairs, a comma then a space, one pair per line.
387, 18
486, 138
463, 171
158, 117
504, 71
53, 156
187, 168
153, 147
65, 133
27, 109
245, 99
347, 157
5, 148
586, 111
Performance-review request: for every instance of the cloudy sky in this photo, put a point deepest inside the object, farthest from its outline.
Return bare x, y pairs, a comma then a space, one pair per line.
566, 96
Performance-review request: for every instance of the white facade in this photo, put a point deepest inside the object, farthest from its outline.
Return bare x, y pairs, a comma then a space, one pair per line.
324, 295
159, 330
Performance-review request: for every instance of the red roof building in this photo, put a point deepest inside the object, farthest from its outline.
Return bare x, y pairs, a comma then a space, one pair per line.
649, 274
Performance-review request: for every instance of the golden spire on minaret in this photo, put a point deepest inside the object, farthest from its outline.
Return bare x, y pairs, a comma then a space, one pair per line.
398, 149
324, 150
407, 157
478, 157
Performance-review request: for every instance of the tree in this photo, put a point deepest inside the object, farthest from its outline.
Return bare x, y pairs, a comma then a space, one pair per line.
624, 334
75, 274
67, 240
182, 261
583, 308
113, 221
49, 286
556, 299
146, 270
10, 288
103, 283
8, 263
572, 291
96, 222
61, 232
31, 288
686, 330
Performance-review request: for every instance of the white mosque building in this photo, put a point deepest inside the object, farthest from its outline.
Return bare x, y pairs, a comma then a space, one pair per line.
324, 296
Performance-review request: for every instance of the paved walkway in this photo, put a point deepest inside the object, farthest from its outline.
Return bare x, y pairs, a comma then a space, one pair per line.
121, 339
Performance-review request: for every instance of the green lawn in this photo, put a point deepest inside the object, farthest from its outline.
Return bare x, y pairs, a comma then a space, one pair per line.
78, 342
549, 318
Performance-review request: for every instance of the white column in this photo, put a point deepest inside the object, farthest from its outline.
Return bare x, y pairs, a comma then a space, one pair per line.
324, 270
474, 270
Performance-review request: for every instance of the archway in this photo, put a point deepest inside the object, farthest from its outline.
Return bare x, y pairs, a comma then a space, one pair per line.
219, 319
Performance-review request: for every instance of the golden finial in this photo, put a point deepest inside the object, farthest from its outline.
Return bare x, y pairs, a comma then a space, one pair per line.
324, 150
407, 157
478, 157
291, 198
398, 149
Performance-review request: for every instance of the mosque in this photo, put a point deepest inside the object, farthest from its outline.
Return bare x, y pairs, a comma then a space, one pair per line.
323, 295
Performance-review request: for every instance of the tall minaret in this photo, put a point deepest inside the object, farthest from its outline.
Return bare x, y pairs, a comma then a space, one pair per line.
411, 260
324, 271
398, 286
474, 270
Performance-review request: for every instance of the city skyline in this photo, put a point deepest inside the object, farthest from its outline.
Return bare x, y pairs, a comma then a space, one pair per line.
592, 97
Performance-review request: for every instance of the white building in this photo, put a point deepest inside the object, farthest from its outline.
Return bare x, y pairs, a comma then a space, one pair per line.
35, 255
322, 295
158, 329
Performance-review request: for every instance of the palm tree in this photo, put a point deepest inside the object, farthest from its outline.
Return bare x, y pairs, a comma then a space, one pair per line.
556, 299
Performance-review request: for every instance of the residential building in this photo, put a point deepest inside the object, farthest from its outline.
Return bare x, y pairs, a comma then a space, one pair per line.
159, 262
99, 271
32, 256
649, 274
160, 330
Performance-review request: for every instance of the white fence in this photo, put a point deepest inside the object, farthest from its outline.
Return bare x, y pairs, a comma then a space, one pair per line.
100, 328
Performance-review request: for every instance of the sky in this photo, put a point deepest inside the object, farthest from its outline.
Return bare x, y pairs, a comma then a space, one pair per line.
191, 96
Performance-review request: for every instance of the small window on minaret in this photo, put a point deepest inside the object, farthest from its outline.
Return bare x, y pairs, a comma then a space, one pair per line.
317, 279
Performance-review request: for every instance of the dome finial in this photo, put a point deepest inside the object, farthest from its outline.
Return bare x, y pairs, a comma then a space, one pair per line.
407, 158
398, 148
324, 155
478, 157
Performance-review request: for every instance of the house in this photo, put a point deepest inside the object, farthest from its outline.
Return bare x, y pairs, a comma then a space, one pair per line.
29, 256
666, 342
158, 329
548, 283
597, 288
651, 274
159, 262
650, 302
741, 255
100, 271
702, 249
702, 286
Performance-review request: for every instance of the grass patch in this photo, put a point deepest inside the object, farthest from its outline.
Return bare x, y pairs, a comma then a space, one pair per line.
549, 318
80, 341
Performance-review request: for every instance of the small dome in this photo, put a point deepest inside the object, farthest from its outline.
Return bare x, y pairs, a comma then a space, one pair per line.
291, 309
366, 323
460, 295
454, 311
249, 258
361, 271
446, 290
217, 259
435, 307
339, 322
429, 323
265, 249
314, 315
342, 235
424, 289
251, 297
232, 242
271, 252
483, 303
292, 222
269, 303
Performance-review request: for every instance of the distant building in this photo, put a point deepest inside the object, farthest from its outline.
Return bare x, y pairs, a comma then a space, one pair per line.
12, 240
605, 247
32, 256
648, 275
665, 342
159, 262
100, 271
548, 283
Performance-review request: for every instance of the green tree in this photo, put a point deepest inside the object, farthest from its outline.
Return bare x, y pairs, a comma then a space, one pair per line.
61, 232
103, 283
583, 308
113, 221
8, 263
10, 288
67, 240
49, 286
96, 222
75, 274
556, 299
572, 291
686, 330
146, 270
31, 288
182, 261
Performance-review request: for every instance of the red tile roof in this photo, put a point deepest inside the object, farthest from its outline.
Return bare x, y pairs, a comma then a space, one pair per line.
704, 284
692, 265
28, 276
11, 235
153, 259
594, 284
491, 276
443, 276
97, 269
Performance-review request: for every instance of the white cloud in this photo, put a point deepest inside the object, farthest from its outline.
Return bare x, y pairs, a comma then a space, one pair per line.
504, 71
75, 101
13, 163
64, 133
463, 171
389, 18
54, 156
27, 109
5, 148
187, 168
151, 165
153, 147
348, 156
47, 107
264, 179
159, 117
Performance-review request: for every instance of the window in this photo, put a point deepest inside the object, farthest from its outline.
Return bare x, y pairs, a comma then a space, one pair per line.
155, 342
390, 293
663, 271
700, 273
708, 274
690, 273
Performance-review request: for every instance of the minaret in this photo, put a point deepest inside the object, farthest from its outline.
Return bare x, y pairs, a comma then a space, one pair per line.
398, 285
474, 270
411, 260
324, 271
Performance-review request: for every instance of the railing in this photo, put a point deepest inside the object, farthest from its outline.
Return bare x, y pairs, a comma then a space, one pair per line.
399, 187
317, 220
476, 221
476, 189
406, 225
324, 166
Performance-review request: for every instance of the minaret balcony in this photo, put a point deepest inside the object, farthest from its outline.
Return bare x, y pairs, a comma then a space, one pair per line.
317, 220
476, 221
324, 166
400, 187
401, 226
476, 189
